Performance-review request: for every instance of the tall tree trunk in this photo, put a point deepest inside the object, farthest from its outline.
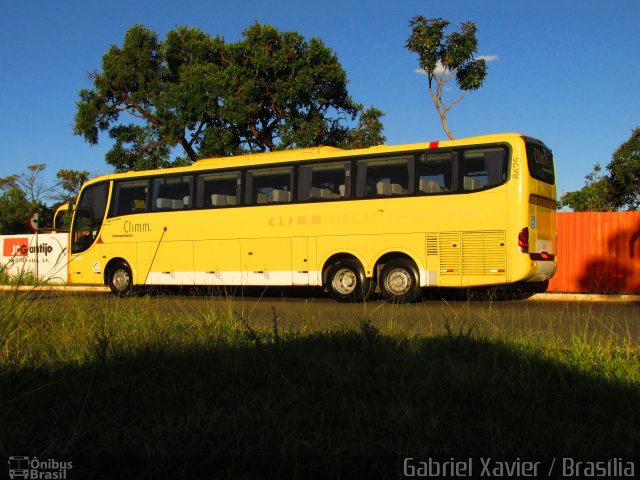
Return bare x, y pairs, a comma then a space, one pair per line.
443, 119
191, 153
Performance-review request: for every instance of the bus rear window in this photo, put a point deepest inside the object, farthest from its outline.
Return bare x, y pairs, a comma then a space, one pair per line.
540, 160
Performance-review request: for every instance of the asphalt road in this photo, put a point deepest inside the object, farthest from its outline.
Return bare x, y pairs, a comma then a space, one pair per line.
592, 319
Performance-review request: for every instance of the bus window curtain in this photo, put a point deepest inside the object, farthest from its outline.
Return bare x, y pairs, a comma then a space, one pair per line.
305, 178
98, 202
494, 165
411, 171
199, 191
157, 183
238, 188
453, 184
347, 180
248, 189
115, 200
361, 179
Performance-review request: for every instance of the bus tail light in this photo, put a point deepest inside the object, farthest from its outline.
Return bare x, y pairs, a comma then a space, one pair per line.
523, 240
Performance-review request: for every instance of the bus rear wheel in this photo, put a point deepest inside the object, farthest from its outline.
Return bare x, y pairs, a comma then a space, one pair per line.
120, 281
346, 281
400, 282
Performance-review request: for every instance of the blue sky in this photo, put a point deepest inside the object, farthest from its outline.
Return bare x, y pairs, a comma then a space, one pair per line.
567, 72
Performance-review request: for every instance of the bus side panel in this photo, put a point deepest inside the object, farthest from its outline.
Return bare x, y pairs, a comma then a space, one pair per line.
142, 264
300, 260
266, 261
217, 262
467, 258
172, 265
86, 267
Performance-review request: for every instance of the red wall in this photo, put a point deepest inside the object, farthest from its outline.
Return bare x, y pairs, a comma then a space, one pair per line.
598, 252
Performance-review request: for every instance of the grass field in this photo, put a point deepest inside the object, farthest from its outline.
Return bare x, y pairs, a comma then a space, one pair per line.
213, 392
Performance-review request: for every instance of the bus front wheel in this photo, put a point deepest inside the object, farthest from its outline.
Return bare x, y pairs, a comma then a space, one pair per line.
346, 281
120, 281
399, 281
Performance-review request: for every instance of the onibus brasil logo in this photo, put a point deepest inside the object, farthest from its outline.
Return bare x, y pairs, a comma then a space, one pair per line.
32, 468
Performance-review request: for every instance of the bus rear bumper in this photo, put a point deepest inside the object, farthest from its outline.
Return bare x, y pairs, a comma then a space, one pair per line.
541, 271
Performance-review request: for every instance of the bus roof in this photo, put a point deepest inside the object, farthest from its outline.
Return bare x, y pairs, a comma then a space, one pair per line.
306, 154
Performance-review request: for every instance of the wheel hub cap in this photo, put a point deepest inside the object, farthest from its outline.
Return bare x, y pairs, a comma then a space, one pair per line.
345, 281
121, 280
399, 281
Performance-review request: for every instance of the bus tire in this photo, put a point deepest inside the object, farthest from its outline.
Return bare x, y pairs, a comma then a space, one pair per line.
399, 281
120, 280
346, 281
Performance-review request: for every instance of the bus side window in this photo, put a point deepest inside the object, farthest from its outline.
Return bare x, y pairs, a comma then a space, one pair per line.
381, 177
172, 193
326, 181
438, 173
269, 185
483, 168
218, 190
130, 196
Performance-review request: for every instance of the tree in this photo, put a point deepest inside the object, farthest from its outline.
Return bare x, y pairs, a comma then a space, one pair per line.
283, 92
624, 173
595, 196
25, 192
368, 132
14, 211
22, 194
444, 57
271, 90
30, 183
69, 184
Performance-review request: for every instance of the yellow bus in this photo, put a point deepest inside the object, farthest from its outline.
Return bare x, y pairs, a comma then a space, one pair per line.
391, 219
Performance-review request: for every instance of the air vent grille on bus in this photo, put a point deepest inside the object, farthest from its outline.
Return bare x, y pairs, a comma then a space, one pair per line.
450, 252
432, 244
469, 253
483, 253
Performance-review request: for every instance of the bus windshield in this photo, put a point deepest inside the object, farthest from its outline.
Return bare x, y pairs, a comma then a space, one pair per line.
88, 216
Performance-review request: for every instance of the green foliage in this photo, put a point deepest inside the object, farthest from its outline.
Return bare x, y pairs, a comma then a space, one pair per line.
443, 57
593, 197
70, 183
271, 90
624, 173
14, 211
135, 149
24, 192
29, 182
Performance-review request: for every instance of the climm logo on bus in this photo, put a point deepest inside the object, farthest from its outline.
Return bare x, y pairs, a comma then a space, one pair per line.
19, 247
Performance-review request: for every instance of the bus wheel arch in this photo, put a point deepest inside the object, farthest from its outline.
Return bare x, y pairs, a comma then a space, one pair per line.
119, 277
344, 277
398, 277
